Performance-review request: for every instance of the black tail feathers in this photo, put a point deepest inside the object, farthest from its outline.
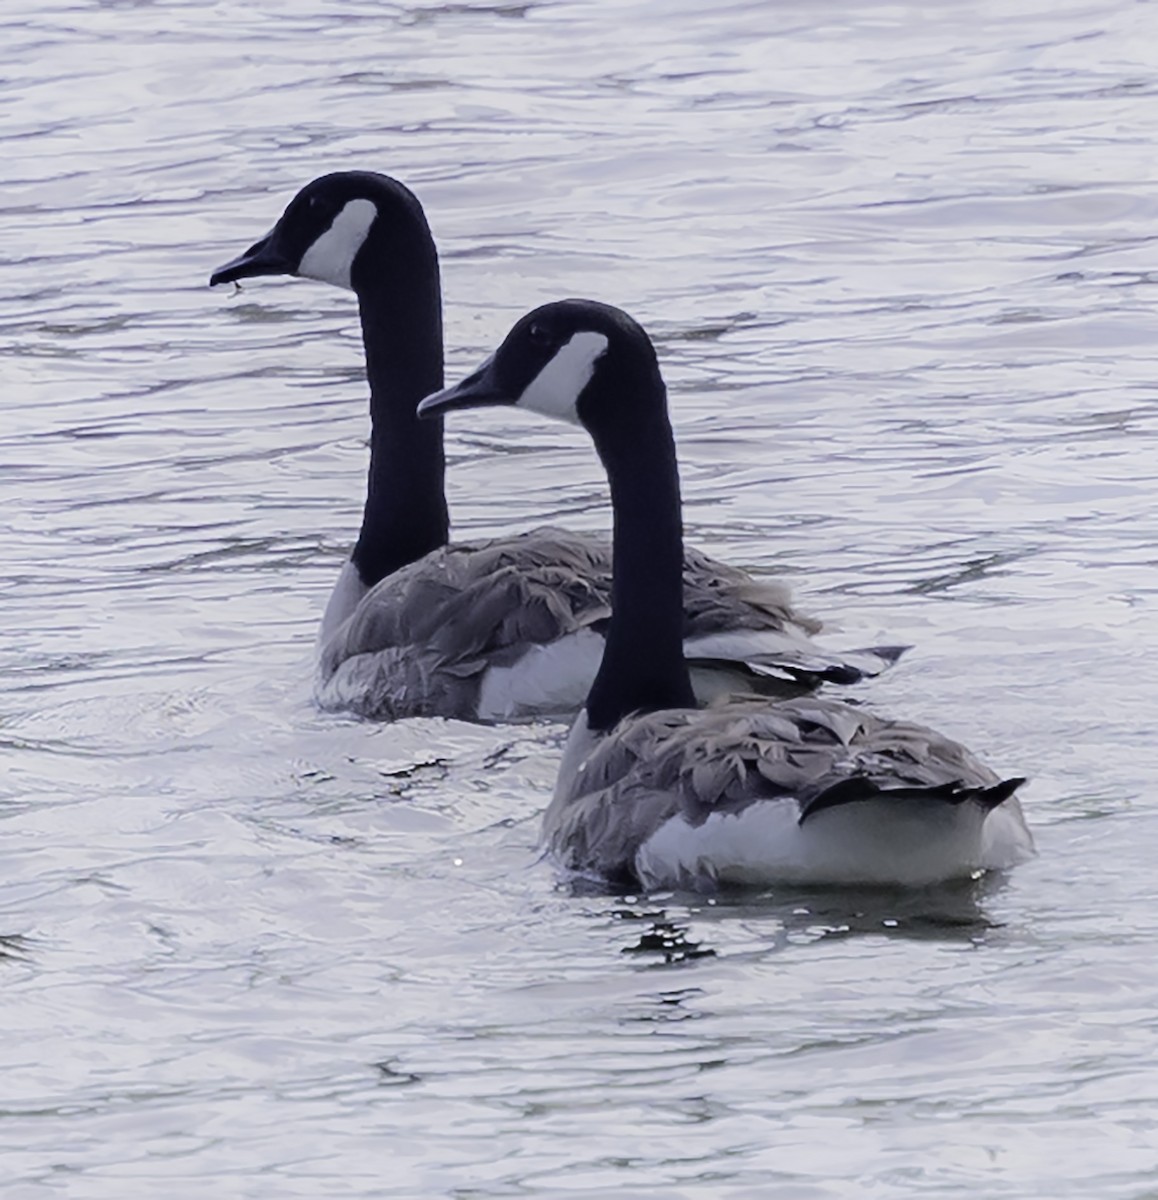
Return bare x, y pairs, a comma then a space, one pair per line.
858, 788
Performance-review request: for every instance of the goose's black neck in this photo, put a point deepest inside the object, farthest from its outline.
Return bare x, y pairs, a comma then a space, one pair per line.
643, 666
396, 279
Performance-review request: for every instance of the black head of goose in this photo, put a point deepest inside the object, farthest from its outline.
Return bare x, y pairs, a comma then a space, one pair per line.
493, 630
655, 792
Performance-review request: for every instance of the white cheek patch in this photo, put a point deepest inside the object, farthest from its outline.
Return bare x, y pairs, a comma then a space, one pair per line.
555, 391
331, 257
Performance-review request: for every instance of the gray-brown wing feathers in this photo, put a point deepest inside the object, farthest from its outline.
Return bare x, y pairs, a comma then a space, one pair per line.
477, 598
420, 640
472, 603
719, 597
818, 752
780, 659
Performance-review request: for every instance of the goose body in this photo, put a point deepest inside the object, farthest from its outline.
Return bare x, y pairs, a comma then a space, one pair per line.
514, 627
503, 629
804, 791
655, 792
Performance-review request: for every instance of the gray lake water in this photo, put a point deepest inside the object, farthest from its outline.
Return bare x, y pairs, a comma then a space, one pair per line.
899, 261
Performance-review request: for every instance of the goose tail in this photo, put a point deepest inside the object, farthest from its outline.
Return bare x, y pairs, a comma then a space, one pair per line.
860, 788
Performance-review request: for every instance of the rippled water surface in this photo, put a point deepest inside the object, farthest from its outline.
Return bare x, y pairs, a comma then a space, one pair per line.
899, 261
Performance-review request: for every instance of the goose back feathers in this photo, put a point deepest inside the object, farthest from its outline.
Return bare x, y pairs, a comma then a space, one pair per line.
805, 791
514, 628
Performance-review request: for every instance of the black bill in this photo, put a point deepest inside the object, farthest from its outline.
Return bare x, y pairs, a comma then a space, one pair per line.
262, 258
480, 390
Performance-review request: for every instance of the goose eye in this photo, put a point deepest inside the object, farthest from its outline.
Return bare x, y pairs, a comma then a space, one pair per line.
539, 334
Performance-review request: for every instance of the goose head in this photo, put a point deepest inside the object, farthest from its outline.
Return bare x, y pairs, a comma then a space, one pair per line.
337, 229
578, 361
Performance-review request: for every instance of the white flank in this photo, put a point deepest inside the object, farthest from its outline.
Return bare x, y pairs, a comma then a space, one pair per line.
895, 842
348, 593
548, 680
710, 684
555, 391
739, 645
331, 257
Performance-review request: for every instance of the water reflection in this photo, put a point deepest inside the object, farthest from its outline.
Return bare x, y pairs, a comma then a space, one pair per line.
680, 930
663, 937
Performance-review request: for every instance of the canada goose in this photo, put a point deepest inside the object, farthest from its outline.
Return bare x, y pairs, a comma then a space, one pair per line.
653, 792
487, 630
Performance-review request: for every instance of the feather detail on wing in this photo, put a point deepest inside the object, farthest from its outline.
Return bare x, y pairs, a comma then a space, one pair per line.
422, 640
742, 634
698, 770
